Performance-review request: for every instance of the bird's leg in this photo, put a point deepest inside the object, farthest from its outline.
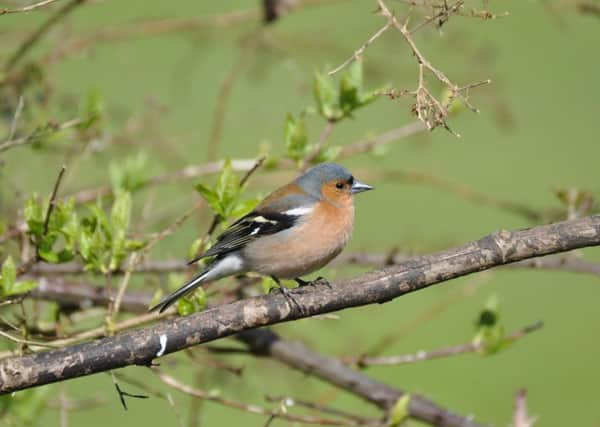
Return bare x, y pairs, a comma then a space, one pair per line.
322, 281
318, 281
301, 282
288, 296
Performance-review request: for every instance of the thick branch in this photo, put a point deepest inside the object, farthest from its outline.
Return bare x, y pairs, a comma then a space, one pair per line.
294, 354
264, 342
141, 346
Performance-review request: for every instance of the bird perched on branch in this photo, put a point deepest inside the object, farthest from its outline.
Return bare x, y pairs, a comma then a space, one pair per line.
294, 231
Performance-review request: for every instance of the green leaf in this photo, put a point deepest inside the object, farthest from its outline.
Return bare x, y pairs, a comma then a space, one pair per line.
195, 248
296, 139
227, 188
399, 412
34, 217
9, 275
211, 198
350, 88
129, 175
328, 154
325, 96
185, 307
490, 333
120, 213
120, 216
134, 245
48, 256
22, 287
268, 284
244, 207
92, 109
200, 299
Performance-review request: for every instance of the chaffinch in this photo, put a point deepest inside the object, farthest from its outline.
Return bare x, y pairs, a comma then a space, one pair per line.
294, 231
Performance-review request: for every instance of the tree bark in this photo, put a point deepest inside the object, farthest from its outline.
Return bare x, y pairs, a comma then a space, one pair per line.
142, 346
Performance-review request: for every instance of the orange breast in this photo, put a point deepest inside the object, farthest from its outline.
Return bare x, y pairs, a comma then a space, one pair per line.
306, 247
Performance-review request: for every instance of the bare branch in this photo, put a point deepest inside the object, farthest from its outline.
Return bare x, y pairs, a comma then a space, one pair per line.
320, 144
40, 32
52, 202
360, 50
522, 418
143, 345
33, 136
31, 7
264, 342
369, 144
471, 347
253, 409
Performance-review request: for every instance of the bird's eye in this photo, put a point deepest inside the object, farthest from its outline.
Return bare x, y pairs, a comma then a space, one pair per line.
339, 185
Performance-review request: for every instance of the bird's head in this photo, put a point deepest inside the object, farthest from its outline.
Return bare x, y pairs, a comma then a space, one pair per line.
331, 181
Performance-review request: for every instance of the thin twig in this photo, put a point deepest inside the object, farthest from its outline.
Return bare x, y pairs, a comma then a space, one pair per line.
26, 342
23, 268
369, 144
52, 202
290, 401
223, 97
367, 259
250, 408
471, 347
522, 418
431, 111
356, 55
257, 164
15, 120
34, 135
40, 32
142, 345
123, 394
36, 346
308, 160
34, 6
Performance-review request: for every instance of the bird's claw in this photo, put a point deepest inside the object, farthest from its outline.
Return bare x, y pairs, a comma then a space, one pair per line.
322, 282
319, 281
291, 300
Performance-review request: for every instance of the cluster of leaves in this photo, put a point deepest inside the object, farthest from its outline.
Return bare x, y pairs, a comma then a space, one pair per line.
45, 129
333, 104
99, 238
9, 285
225, 197
490, 334
129, 175
337, 104
62, 228
103, 241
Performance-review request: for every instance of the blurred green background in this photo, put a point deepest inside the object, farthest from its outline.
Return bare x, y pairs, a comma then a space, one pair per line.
535, 133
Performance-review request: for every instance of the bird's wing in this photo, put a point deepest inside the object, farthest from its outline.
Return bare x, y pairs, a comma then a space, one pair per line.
250, 227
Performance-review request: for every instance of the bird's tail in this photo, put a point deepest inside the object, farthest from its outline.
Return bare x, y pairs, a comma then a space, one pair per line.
220, 267
167, 301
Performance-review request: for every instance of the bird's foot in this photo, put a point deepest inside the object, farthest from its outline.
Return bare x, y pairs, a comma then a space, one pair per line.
291, 300
319, 281
288, 296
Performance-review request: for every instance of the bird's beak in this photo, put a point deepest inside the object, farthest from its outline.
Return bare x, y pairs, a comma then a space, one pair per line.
359, 187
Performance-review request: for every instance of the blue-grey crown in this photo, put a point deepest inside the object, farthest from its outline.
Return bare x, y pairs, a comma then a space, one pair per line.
313, 179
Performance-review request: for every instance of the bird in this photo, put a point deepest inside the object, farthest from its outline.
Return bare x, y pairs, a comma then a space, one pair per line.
296, 230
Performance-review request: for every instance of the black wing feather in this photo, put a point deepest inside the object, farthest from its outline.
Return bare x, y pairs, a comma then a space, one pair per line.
248, 228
